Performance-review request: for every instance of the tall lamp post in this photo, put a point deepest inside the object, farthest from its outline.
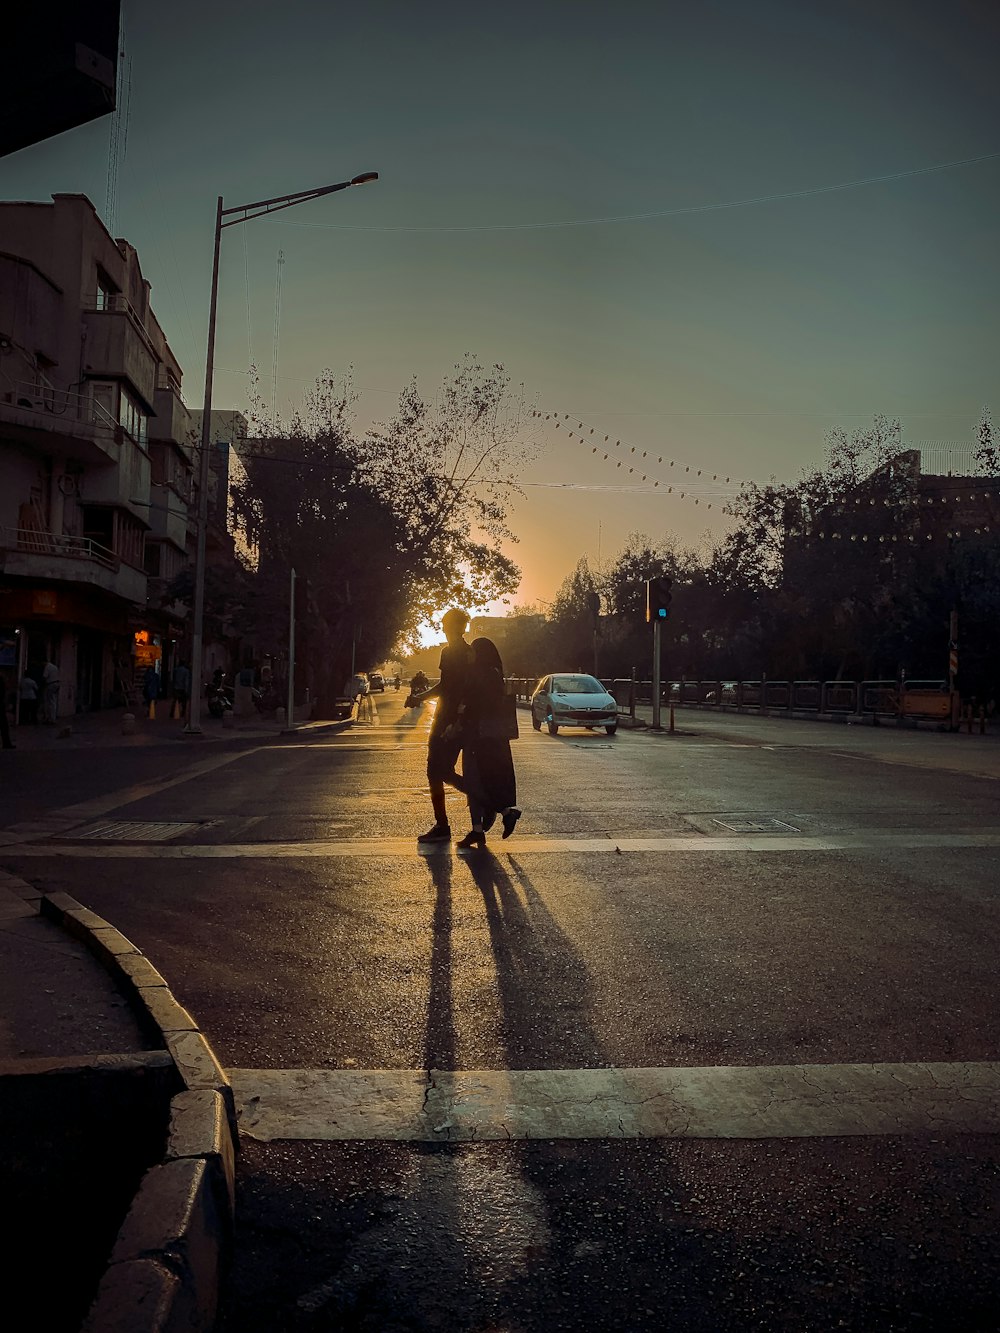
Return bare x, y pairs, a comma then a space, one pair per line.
225, 217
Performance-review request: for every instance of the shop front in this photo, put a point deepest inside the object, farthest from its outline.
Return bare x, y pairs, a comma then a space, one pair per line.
78, 631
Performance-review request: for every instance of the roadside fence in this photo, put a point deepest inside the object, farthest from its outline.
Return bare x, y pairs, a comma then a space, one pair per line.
893, 700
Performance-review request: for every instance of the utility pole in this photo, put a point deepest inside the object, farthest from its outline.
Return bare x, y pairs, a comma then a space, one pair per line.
595, 608
226, 217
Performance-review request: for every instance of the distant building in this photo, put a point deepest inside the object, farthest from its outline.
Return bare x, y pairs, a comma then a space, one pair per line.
228, 435
96, 457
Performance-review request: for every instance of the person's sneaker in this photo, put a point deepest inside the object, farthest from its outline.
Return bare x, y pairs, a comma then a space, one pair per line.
439, 833
510, 817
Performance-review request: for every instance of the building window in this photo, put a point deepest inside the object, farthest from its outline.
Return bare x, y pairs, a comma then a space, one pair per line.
104, 397
133, 418
106, 291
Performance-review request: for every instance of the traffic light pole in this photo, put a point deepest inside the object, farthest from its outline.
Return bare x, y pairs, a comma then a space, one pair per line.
656, 674
291, 654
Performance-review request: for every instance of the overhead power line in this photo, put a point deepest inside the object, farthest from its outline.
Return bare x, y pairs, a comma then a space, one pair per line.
683, 211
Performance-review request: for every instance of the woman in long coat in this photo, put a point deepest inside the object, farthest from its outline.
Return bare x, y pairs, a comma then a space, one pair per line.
487, 727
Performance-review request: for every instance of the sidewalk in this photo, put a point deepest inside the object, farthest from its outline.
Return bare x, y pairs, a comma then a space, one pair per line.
105, 728
117, 1129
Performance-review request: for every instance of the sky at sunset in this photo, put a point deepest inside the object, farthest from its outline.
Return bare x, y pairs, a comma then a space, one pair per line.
627, 205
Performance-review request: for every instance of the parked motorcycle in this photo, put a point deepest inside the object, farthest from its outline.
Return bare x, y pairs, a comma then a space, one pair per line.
218, 698
266, 700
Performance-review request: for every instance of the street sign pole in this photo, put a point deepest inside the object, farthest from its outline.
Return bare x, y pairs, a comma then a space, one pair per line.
291, 653
656, 673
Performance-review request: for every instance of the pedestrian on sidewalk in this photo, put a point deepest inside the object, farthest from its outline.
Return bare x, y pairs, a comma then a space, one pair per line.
28, 691
151, 689
488, 725
181, 685
444, 744
50, 692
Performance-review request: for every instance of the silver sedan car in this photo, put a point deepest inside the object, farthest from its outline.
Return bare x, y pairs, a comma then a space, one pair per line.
573, 700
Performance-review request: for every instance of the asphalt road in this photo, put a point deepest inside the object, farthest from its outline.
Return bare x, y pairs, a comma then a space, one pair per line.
784, 904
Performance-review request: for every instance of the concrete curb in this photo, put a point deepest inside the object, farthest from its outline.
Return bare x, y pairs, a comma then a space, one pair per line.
168, 1263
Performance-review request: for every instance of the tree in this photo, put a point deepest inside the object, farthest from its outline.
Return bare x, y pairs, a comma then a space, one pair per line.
527, 644
573, 619
448, 473
390, 526
829, 555
987, 450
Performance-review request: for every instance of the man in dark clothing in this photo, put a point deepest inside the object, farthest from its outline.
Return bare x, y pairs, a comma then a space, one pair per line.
444, 744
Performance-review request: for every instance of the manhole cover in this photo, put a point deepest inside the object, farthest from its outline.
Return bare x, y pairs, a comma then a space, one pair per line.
754, 824
122, 830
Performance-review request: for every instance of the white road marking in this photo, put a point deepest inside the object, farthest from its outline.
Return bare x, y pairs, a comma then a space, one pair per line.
727, 1102
875, 841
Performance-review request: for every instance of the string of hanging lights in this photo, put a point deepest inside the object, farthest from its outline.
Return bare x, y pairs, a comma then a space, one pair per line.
619, 452
644, 459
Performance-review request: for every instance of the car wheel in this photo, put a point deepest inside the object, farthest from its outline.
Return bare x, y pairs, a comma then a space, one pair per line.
535, 723
553, 728
612, 729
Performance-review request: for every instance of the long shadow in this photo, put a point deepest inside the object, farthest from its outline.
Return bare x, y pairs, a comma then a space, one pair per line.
439, 1036
542, 982
604, 1224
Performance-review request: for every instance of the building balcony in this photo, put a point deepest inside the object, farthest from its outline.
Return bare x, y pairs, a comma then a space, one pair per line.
117, 347
59, 423
168, 517
172, 421
30, 554
126, 486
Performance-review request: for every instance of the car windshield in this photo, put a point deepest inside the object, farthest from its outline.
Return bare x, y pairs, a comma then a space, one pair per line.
577, 685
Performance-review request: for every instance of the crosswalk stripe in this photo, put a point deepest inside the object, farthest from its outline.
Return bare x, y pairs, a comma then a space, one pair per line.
716, 1102
872, 840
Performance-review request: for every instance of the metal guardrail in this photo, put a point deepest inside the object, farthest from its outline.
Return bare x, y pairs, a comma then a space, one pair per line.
34, 542
885, 698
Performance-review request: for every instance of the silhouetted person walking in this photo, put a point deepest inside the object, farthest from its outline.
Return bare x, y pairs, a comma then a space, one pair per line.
444, 744
488, 725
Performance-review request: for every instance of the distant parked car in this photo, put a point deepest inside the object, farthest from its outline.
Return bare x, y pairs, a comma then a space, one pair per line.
376, 682
728, 693
573, 700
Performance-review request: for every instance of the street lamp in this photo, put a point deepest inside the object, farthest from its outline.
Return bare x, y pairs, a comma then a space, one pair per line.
224, 217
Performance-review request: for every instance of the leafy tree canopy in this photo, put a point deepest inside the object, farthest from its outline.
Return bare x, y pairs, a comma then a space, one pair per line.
390, 525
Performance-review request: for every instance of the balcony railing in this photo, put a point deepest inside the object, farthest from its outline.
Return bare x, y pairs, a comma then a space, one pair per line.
49, 543
26, 396
166, 382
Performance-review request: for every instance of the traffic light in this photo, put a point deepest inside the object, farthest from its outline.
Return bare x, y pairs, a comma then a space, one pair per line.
658, 595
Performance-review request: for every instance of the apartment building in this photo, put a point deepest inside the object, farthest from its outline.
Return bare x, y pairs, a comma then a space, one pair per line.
96, 456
